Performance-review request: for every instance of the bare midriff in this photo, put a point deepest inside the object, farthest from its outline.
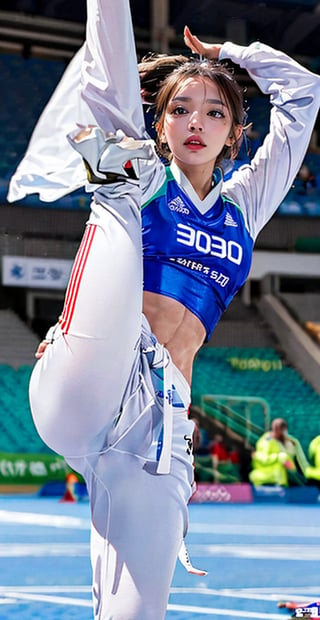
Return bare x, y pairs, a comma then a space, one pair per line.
176, 327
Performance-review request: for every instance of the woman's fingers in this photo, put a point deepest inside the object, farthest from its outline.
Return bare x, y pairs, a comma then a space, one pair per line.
192, 41
210, 50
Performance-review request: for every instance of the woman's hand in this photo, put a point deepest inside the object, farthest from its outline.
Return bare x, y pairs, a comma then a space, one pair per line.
41, 349
209, 50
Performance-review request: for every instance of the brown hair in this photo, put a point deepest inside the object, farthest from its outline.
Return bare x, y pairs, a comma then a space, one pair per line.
161, 76
154, 69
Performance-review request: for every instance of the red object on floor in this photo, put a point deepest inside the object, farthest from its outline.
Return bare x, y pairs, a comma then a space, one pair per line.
70, 492
291, 604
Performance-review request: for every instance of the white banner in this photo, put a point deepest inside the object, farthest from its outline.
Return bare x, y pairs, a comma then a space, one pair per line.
49, 273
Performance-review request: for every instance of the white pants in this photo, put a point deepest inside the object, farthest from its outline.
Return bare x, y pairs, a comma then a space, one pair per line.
96, 398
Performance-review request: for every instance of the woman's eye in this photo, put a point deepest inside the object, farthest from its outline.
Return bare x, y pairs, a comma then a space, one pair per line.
216, 114
179, 110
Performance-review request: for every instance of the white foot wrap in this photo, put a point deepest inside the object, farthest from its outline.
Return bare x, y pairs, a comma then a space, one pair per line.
110, 158
185, 561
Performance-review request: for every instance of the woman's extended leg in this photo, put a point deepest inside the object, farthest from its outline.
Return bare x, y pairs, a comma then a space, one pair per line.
77, 386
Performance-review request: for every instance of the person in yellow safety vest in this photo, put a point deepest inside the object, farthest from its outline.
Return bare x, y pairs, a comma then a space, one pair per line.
313, 470
278, 458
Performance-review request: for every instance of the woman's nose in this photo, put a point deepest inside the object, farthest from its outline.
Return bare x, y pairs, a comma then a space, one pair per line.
195, 123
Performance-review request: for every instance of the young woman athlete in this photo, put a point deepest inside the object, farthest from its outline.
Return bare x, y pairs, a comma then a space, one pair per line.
164, 252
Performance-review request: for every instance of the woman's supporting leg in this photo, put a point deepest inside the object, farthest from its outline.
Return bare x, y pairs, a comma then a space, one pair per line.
138, 523
77, 386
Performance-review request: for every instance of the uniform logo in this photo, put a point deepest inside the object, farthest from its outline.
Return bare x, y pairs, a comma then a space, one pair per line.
229, 221
177, 204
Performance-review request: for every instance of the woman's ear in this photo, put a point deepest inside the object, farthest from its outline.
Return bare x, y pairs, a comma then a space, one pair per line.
235, 135
160, 132
238, 130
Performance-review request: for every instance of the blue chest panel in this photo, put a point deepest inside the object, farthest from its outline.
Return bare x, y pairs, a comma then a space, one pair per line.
199, 260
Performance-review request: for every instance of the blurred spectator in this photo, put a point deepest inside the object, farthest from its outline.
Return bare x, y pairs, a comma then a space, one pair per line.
225, 460
313, 470
218, 451
220, 464
278, 458
306, 181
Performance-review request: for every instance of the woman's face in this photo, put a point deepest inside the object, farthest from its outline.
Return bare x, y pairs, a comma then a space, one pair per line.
197, 124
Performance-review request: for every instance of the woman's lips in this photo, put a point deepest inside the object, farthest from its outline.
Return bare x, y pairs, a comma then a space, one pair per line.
194, 143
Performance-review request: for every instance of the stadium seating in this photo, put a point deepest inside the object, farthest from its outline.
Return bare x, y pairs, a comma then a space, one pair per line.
17, 431
259, 372
17, 346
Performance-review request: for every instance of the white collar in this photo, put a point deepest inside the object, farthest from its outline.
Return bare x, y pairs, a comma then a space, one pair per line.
207, 203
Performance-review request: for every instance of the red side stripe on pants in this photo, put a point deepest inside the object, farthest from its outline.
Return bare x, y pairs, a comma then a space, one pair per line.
75, 278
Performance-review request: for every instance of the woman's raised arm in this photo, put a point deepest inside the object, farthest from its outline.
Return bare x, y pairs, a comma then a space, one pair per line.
294, 92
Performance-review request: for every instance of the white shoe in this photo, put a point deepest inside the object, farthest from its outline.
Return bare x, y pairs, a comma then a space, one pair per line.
110, 158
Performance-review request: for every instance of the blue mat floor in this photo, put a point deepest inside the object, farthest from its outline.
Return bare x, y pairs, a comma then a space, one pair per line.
255, 556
